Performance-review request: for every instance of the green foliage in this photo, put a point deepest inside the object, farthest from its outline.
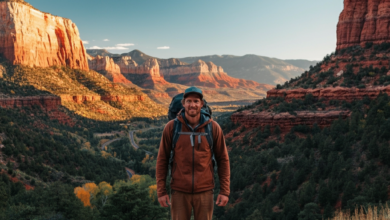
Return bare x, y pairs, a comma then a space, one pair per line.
133, 202
317, 172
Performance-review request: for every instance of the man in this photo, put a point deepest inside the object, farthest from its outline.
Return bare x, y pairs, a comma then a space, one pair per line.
192, 173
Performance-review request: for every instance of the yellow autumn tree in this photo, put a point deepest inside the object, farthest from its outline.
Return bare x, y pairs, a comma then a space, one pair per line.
152, 192
145, 159
136, 178
105, 154
83, 195
91, 188
105, 190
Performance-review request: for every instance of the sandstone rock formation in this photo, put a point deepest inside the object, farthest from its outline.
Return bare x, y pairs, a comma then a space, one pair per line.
33, 38
146, 75
205, 74
363, 21
123, 98
337, 93
106, 66
49, 104
94, 98
80, 98
126, 64
169, 63
285, 120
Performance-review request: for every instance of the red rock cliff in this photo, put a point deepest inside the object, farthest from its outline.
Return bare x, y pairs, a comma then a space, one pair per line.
286, 121
363, 21
33, 38
108, 68
337, 93
146, 75
50, 104
207, 74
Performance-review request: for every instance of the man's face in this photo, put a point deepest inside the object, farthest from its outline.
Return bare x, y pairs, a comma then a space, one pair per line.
192, 105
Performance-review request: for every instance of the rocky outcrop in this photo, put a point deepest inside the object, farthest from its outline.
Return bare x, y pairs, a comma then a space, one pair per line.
327, 94
33, 38
126, 64
80, 98
286, 121
124, 98
169, 63
146, 75
106, 66
49, 104
207, 74
363, 21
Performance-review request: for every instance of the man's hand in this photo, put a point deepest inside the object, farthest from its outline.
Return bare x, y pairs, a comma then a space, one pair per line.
222, 200
164, 201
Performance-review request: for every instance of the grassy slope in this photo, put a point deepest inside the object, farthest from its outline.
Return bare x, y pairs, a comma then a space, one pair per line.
64, 81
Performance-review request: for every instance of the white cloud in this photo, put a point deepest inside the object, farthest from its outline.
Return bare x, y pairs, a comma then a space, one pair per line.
163, 48
94, 48
115, 48
85, 42
108, 48
124, 45
106, 40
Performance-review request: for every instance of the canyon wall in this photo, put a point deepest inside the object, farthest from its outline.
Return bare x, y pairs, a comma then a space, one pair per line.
363, 21
33, 38
94, 98
336, 93
49, 104
207, 74
286, 121
46, 102
146, 75
106, 66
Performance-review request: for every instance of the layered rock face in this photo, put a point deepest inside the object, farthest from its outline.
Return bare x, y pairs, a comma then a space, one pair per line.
33, 38
207, 74
168, 63
126, 64
327, 94
50, 104
79, 99
363, 21
146, 75
286, 121
108, 68
47, 102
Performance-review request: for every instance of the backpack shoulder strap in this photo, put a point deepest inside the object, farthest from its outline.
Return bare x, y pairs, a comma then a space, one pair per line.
209, 131
175, 137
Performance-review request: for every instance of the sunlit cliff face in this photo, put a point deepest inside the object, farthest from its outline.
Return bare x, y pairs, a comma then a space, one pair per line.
34, 38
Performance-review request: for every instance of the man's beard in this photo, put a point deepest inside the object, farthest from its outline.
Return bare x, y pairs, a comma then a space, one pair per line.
194, 112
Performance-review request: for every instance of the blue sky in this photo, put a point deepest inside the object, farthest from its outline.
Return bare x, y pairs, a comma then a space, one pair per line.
285, 29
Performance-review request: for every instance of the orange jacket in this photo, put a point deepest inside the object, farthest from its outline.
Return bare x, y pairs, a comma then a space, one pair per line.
192, 169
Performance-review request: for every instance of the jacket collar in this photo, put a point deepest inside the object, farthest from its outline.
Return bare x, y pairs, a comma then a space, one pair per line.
204, 119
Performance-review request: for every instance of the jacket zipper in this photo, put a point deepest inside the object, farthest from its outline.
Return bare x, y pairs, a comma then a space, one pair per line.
193, 156
193, 168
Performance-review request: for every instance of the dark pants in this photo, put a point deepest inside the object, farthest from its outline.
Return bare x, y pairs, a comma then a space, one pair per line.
182, 204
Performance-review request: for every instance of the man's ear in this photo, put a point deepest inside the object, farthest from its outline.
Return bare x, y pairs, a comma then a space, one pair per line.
202, 102
183, 101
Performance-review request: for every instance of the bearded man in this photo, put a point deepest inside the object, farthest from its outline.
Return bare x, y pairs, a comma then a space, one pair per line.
192, 169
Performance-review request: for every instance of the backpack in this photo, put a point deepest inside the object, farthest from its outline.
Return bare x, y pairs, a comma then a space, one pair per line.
174, 109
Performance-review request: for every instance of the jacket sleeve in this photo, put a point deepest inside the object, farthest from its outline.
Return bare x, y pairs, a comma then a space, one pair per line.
222, 158
163, 159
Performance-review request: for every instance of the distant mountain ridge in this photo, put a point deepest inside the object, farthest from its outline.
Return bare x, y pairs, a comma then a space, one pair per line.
258, 68
250, 67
